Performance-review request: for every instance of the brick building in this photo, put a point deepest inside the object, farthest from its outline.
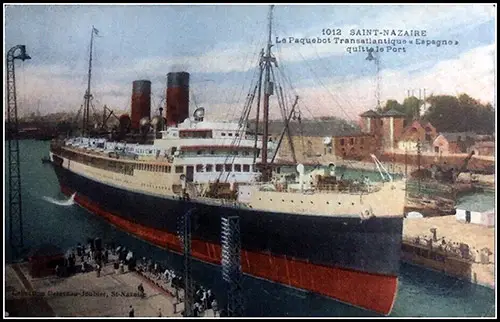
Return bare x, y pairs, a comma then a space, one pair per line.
316, 138
450, 143
387, 127
415, 132
486, 148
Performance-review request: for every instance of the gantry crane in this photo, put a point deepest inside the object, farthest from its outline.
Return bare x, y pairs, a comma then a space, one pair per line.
15, 201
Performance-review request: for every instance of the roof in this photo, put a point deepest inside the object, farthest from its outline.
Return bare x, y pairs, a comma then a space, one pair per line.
370, 113
479, 203
393, 112
409, 135
425, 124
46, 250
485, 144
453, 136
318, 128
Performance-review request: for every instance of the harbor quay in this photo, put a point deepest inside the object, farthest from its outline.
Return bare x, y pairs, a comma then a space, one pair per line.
109, 293
459, 249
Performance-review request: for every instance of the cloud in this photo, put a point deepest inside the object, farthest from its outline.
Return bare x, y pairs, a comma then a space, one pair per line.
472, 73
436, 19
242, 56
60, 86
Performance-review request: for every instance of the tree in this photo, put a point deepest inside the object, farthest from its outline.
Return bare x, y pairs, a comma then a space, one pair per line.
411, 106
460, 114
389, 105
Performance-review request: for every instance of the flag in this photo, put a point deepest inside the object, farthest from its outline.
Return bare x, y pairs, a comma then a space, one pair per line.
95, 30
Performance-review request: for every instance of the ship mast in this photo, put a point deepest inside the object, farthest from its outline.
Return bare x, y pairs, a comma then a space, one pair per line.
88, 95
268, 91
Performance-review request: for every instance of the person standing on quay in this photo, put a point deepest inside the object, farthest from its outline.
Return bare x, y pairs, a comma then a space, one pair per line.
214, 306
131, 312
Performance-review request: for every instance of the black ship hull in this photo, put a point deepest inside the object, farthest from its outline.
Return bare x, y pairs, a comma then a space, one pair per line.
351, 260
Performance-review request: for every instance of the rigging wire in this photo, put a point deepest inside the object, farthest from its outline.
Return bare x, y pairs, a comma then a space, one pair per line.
287, 78
250, 57
237, 139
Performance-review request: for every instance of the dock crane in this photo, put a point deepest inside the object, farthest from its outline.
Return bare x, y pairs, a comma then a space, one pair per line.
15, 201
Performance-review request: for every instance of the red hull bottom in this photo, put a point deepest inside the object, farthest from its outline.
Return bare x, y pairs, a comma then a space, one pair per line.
369, 291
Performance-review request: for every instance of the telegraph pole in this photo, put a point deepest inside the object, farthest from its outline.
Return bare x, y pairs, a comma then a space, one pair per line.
406, 171
418, 162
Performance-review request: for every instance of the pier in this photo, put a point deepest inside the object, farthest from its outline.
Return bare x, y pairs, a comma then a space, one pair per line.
111, 293
462, 250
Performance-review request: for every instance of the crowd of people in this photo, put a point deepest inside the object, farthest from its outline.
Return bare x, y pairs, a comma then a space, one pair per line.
94, 255
168, 279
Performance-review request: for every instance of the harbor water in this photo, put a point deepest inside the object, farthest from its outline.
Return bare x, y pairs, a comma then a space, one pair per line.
49, 217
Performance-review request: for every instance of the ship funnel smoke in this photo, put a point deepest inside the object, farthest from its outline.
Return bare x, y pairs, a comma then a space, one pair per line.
69, 202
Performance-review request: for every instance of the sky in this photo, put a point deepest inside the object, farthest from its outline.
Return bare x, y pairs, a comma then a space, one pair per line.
219, 45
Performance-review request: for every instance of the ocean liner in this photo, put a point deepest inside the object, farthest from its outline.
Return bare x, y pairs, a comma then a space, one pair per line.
307, 229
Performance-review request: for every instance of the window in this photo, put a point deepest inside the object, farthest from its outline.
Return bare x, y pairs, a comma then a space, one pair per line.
236, 134
245, 153
341, 141
237, 167
212, 152
223, 134
230, 134
218, 167
228, 167
209, 168
179, 169
246, 168
199, 168
352, 141
198, 152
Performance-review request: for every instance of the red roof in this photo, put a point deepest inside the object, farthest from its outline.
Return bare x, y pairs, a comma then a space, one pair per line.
485, 144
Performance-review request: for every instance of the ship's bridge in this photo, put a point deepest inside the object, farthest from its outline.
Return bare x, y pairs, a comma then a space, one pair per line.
205, 135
